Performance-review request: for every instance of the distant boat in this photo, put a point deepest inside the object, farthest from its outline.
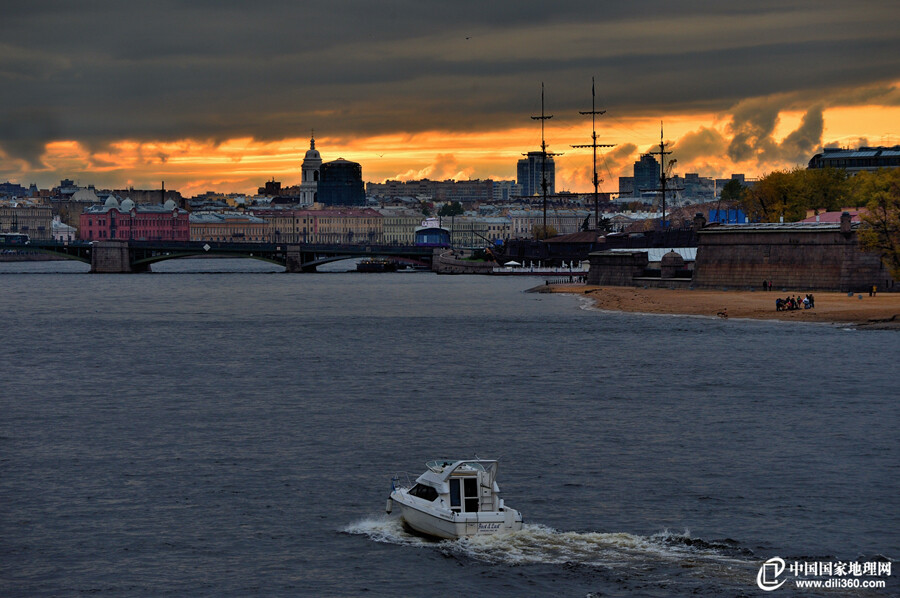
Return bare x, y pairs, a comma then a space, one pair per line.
377, 265
455, 499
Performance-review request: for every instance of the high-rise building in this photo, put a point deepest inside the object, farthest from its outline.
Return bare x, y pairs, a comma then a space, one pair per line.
309, 184
529, 174
646, 175
340, 184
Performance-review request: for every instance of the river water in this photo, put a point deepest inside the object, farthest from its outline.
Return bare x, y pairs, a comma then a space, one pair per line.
219, 428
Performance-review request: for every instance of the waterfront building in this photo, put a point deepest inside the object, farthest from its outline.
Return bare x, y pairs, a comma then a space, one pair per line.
283, 223
62, 232
128, 221
312, 163
523, 222
399, 225
32, 220
530, 173
327, 225
477, 231
341, 225
229, 227
864, 158
149, 196
69, 208
341, 184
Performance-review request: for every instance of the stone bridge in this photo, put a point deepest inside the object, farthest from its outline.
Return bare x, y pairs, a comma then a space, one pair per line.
114, 257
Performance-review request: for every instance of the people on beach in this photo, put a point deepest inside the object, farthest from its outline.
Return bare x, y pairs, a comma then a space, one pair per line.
791, 303
723, 313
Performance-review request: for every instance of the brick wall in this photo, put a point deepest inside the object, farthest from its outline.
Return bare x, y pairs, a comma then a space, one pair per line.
791, 258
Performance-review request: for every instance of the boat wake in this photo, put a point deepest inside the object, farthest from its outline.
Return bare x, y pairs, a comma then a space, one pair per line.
539, 544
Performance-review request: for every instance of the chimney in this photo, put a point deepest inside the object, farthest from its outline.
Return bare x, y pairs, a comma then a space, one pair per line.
699, 222
845, 223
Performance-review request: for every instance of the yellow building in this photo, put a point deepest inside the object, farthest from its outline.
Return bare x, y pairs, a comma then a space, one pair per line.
36, 221
229, 228
341, 225
399, 225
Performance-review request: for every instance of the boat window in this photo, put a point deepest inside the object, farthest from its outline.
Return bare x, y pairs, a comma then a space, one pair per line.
470, 490
454, 493
422, 491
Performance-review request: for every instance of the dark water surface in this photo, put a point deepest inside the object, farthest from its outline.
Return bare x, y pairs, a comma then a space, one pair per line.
234, 433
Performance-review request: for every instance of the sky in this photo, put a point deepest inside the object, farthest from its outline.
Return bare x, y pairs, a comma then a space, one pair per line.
223, 95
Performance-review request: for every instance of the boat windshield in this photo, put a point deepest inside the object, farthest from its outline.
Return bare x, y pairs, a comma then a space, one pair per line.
438, 465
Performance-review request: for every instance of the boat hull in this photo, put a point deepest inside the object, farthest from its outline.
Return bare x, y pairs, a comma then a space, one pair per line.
452, 526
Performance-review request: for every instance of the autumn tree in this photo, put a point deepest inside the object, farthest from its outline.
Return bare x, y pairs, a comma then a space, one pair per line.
539, 232
793, 193
773, 197
879, 192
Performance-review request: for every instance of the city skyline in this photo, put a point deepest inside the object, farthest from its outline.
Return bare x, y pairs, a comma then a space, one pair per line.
217, 97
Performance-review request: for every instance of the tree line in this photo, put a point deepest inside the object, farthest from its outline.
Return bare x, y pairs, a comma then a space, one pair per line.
789, 195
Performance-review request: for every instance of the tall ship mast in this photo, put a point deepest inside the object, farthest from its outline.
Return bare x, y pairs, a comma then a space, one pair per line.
544, 154
664, 170
594, 112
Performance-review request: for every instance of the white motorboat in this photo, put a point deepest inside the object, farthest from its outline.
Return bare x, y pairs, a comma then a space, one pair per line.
455, 499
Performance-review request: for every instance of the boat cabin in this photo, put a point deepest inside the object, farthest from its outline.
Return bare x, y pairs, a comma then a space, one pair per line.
466, 486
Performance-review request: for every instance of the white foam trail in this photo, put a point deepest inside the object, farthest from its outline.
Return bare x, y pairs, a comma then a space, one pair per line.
539, 544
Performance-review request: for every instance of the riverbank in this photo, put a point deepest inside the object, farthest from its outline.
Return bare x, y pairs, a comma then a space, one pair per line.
881, 311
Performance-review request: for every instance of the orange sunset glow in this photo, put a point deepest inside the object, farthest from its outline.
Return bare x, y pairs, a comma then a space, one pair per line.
243, 164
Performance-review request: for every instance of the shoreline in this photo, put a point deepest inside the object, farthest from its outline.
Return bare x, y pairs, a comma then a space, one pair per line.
881, 312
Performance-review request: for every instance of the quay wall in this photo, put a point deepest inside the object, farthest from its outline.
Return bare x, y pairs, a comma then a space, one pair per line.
791, 258
450, 262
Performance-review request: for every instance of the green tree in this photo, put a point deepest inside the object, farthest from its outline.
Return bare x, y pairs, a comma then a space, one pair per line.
823, 189
453, 208
880, 193
732, 190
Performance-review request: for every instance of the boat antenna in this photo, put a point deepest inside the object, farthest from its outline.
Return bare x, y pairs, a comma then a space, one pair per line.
594, 112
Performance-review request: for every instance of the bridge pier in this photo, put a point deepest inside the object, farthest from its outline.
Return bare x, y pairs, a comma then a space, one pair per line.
113, 257
293, 261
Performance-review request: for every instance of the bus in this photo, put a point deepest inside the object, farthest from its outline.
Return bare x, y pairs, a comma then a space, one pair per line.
14, 239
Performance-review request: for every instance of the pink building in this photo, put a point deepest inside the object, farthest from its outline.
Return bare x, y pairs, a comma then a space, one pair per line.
128, 221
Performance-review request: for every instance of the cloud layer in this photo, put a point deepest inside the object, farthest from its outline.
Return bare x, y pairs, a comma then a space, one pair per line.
102, 72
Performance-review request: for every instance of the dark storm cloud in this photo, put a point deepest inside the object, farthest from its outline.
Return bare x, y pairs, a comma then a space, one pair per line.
100, 71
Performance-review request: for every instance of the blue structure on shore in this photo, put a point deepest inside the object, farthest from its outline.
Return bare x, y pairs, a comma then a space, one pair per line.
728, 216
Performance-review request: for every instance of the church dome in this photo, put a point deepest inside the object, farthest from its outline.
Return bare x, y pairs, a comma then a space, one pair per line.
127, 205
111, 202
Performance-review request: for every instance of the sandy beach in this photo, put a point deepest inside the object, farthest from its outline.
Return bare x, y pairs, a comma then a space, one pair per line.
881, 311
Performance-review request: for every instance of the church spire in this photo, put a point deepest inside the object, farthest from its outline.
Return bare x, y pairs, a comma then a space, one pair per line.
312, 139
